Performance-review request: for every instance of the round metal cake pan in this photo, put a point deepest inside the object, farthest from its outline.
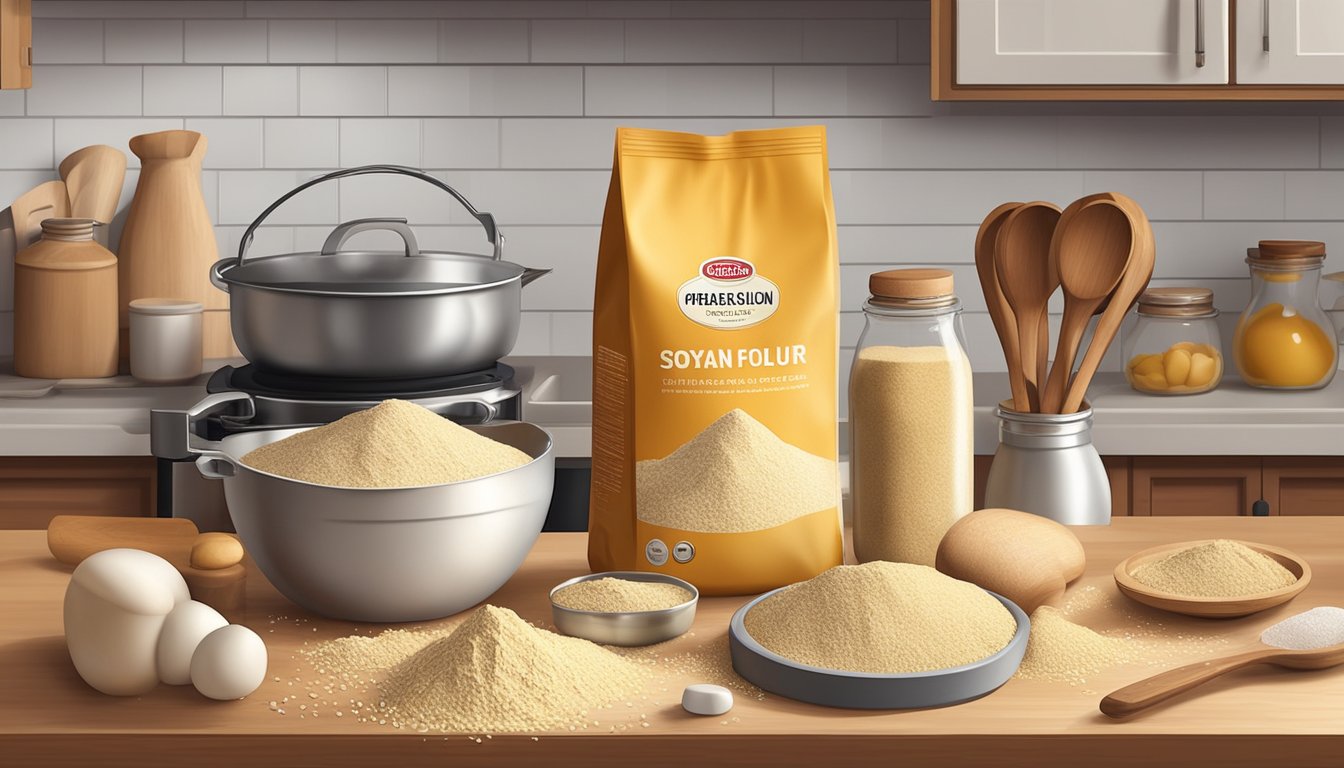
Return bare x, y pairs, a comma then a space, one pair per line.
628, 628
865, 690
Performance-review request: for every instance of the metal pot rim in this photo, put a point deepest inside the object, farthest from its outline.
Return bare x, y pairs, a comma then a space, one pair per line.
224, 267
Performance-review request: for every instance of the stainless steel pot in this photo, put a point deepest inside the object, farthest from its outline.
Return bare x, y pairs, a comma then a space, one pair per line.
374, 554
374, 314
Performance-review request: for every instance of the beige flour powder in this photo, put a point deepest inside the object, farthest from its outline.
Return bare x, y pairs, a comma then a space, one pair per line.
395, 444
1063, 651
610, 595
881, 617
735, 476
912, 472
1221, 568
498, 673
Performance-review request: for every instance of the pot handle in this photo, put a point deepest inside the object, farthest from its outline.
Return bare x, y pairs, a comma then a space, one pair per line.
170, 432
492, 233
349, 229
214, 465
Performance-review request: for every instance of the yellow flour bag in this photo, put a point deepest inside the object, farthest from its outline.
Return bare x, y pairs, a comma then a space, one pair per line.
714, 361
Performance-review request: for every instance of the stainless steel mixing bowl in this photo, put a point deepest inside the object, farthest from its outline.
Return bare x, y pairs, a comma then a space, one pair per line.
386, 554
626, 627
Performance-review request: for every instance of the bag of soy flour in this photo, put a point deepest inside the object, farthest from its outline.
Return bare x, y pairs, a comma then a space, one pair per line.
714, 361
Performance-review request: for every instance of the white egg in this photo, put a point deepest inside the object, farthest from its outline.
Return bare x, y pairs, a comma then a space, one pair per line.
229, 663
182, 631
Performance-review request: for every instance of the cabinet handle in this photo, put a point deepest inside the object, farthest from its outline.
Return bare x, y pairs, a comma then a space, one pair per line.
1260, 508
1199, 33
1264, 25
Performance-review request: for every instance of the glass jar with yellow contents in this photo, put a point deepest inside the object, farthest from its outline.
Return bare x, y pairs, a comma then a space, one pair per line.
1174, 348
1284, 339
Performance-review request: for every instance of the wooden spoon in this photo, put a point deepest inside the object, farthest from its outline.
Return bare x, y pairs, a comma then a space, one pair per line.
1132, 285
93, 178
1136, 697
1004, 323
1091, 248
1028, 278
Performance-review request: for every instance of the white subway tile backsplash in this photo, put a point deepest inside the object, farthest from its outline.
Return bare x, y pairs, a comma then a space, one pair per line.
912, 43
1163, 195
713, 42
852, 91
308, 142
244, 194
266, 240
71, 134
482, 90
1243, 195
183, 91
578, 41
342, 91
468, 41
305, 41
461, 143
691, 90
226, 42
515, 103
261, 91
140, 9
67, 41
69, 89
232, 142
15, 183
942, 197
143, 41
1189, 142
572, 333
1315, 195
383, 141
27, 144
850, 41
968, 142
378, 41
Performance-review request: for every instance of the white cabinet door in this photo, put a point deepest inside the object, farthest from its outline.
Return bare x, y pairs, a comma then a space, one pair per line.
1092, 42
1284, 42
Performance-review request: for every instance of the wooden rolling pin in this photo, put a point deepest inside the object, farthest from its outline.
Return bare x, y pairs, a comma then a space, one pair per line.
211, 563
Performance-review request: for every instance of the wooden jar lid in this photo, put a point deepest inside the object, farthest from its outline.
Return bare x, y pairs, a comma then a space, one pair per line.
1176, 302
1289, 249
910, 283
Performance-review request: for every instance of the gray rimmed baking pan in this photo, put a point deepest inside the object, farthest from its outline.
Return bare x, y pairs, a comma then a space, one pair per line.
866, 690
627, 628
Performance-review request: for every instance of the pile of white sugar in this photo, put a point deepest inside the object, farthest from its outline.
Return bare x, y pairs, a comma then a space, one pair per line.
735, 476
884, 618
395, 444
1318, 628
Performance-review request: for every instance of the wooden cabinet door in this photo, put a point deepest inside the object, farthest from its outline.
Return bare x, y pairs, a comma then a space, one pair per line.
1216, 485
1290, 42
1305, 486
1091, 42
34, 490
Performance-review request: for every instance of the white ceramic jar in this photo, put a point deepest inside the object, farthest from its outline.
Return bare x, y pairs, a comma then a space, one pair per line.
166, 340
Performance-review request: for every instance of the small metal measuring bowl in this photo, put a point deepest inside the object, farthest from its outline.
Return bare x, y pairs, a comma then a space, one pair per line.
628, 628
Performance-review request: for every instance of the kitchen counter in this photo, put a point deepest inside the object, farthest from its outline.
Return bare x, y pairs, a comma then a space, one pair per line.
1259, 716
1234, 420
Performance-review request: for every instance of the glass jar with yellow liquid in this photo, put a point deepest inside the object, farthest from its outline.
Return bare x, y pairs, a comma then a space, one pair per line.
1284, 340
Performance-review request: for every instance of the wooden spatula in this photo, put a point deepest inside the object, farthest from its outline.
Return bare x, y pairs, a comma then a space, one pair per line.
93, 178
47, 200
999, 311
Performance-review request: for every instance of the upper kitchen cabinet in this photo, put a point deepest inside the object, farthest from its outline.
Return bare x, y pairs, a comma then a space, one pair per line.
1091, 42
1290, 42
1124, 50
16, 44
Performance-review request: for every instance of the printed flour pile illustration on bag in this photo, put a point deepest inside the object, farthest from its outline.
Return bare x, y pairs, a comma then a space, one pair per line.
714, 361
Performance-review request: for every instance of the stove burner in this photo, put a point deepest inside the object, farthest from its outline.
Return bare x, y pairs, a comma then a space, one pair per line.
249, 379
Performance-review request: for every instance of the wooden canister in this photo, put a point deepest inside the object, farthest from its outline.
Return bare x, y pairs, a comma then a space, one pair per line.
65, 304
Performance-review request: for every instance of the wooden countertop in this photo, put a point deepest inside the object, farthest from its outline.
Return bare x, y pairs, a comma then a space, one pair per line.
1255, 717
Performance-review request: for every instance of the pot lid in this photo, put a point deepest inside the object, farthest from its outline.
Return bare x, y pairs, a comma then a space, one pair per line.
369, 273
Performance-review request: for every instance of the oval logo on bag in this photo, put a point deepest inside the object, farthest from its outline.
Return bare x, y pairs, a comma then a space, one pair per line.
728, 293
727, 269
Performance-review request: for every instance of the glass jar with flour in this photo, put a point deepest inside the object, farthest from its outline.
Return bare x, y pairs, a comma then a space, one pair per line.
910, 418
